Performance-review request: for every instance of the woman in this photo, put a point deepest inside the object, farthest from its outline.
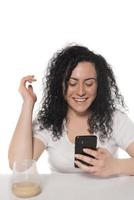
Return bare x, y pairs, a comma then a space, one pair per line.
81, 97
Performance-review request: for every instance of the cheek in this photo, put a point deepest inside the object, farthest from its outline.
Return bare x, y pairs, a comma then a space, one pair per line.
95, 91
70, 92
92, 91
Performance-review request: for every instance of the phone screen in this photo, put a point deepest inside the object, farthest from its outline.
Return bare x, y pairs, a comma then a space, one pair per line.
85, 141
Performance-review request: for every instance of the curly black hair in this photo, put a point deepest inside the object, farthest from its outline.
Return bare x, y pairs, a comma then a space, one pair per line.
54, 107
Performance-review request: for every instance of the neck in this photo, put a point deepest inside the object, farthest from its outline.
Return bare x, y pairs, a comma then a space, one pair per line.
77, 122
76, 116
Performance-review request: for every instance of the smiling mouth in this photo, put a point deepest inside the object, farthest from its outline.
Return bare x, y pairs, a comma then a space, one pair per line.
80, 99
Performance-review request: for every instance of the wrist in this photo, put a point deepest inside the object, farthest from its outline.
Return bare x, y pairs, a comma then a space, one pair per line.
28, 105
125, 166
116, 167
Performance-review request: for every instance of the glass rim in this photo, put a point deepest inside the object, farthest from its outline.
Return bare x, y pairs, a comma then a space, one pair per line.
24, 162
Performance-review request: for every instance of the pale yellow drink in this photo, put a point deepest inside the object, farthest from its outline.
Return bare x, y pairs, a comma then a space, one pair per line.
26, 189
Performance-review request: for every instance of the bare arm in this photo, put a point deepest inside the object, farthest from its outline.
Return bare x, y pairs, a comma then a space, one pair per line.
126, 166
23, 145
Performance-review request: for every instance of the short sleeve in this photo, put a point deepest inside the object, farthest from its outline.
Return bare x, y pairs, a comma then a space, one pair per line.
41, 134
123, 130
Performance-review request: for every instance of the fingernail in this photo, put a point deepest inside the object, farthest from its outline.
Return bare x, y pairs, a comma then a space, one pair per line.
85, 150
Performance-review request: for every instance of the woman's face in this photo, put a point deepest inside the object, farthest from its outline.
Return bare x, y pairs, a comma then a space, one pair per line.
82, 88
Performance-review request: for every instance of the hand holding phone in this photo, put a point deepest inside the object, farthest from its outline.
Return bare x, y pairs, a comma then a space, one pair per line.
85, 141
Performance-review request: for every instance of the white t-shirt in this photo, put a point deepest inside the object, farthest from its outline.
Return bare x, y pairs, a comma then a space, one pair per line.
61, 151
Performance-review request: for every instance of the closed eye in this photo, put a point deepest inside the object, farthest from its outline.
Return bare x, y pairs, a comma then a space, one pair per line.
89, 84
72, 83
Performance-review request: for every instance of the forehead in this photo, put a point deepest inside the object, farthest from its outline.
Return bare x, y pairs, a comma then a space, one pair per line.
84, 70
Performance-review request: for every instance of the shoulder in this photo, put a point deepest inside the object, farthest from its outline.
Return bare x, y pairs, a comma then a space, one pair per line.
122, 122
123, 129
119, 119
41, 133
119, 115
37, 127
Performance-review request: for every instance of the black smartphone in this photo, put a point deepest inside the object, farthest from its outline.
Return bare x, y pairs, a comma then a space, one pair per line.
85, 141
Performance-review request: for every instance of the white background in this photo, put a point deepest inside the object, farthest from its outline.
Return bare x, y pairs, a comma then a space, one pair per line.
32, 30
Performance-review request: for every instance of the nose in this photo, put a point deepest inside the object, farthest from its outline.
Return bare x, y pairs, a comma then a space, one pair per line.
81, 90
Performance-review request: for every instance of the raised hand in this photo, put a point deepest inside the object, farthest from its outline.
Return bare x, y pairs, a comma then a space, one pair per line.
26, 91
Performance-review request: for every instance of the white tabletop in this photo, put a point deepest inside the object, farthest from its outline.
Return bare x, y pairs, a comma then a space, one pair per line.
76, 187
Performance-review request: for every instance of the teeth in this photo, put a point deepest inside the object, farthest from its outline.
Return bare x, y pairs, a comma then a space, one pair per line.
80, 99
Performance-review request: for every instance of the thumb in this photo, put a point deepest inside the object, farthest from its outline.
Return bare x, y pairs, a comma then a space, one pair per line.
30, 88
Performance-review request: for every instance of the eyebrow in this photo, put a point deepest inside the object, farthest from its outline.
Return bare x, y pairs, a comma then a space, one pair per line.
76, 79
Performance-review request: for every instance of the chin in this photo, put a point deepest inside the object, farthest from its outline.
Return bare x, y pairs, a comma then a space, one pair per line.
81, 111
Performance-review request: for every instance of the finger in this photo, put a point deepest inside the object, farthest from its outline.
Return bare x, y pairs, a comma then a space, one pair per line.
91, 152
29, 78
87, 159
30, 88
83, 158
89, 169
24, 80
